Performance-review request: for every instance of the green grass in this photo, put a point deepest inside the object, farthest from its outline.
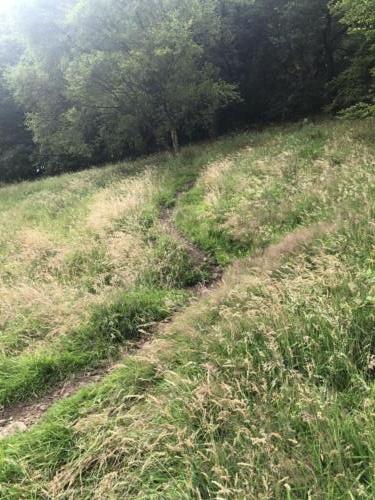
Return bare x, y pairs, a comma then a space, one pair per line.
71, 245
263, 388
29, 375
290, 177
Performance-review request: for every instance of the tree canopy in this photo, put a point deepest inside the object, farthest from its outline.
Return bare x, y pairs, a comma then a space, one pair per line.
355, 86
92, 81
15, 140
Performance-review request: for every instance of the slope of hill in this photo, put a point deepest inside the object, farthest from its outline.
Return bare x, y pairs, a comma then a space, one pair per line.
259, 385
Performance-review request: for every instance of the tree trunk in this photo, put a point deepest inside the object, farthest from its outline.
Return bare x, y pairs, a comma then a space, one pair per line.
175, 143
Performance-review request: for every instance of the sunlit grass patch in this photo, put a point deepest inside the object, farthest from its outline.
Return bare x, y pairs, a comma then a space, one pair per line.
292, 178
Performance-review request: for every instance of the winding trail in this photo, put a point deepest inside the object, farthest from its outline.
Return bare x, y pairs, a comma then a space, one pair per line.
197, 255
19, 417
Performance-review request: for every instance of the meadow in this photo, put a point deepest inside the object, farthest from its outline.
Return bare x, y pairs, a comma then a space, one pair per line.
256, 385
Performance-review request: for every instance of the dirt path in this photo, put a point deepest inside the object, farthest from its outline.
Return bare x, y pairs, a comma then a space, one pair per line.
198, 256
19, 417
166, 222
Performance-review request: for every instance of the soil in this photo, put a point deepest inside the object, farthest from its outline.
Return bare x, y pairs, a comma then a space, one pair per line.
19, 417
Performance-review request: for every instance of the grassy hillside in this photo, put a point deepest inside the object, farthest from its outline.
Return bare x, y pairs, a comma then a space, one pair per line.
261, 387
80, 252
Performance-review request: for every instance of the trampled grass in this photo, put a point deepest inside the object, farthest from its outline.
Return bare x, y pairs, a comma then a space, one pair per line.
262, 388
72, 246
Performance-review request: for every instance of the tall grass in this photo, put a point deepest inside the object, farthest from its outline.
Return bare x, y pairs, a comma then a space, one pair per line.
262, 388
286, 178
70, 246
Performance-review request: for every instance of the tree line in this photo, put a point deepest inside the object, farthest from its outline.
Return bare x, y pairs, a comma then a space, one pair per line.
86, 82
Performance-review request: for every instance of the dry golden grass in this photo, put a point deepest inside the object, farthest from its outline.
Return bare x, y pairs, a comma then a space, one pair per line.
38, 276
129, 255
34, 244
129, 450
213, 179
125, 199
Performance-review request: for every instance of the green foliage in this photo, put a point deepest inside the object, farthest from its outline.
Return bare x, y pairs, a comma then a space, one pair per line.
104, 80
356, 85
15, 141
139, 85
162, 79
